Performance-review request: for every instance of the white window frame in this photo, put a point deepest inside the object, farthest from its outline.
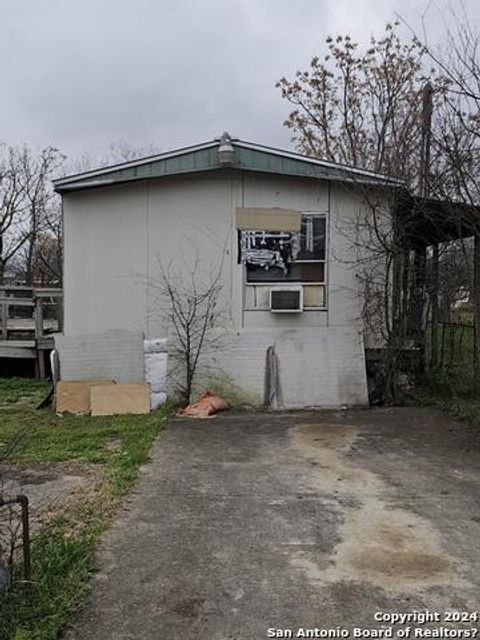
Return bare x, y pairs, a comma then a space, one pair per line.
324, 283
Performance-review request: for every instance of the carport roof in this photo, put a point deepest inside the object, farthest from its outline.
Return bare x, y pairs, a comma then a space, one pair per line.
247, 156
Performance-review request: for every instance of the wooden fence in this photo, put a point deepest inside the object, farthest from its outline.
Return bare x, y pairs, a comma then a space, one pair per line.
28, 318
455, 347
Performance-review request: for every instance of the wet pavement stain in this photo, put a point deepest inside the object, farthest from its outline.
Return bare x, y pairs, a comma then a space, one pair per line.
380, 544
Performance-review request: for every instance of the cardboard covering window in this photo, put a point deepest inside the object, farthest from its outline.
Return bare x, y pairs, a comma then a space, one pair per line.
255, 219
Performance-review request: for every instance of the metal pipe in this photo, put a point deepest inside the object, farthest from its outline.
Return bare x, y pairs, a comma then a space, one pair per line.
22, 500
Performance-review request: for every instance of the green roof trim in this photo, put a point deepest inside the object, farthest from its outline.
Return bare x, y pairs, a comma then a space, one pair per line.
249, 159
205, 157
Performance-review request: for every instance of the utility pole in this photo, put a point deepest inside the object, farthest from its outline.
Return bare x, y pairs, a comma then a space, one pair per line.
420, 248
427, 110
476, 311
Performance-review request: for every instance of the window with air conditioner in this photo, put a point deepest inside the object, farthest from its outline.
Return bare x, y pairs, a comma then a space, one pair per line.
286, 299
274, 258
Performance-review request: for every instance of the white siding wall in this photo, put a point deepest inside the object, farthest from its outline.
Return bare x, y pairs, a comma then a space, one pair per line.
190, 221
343, 291
115, 238
105, 257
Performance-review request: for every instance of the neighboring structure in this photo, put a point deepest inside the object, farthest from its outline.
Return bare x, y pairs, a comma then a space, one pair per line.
28, 318
279, 225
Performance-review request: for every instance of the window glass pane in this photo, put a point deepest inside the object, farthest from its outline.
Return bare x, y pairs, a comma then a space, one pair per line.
276, 256
312, 238
312, 271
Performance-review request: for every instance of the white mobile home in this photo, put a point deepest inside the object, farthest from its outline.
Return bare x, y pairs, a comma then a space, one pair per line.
278, 225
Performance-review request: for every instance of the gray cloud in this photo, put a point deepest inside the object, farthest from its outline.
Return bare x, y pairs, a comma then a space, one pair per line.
81, 75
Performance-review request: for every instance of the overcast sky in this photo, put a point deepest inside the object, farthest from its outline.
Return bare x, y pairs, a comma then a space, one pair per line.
80, 74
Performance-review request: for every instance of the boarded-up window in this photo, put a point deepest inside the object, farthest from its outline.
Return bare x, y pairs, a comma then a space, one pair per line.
268, 219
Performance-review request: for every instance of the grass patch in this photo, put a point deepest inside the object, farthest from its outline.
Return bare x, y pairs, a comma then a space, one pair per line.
63, 552
13, 390
450, 387
452, 391
455, 349
450, 396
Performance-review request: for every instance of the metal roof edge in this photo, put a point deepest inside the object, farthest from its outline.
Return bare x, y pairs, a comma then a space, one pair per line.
317, 161
344, 173
108, 182
133, 163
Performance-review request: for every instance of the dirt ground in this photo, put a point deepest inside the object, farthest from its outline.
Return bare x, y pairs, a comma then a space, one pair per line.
49, 488
250, 522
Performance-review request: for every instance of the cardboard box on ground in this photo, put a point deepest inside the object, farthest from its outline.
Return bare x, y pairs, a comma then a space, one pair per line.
73, 396
102, 397
120, 399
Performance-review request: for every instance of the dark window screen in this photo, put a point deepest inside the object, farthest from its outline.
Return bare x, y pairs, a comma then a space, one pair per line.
298, 272
285, 299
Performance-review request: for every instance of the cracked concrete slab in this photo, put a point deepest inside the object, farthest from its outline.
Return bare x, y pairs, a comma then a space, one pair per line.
314, 519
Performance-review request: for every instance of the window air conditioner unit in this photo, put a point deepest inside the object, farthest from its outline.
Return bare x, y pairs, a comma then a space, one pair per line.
286, 299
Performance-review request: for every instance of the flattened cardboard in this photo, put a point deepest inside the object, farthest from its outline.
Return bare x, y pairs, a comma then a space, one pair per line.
74, 396
276, 219
120, 399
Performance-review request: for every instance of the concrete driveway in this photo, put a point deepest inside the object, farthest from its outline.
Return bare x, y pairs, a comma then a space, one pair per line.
247, 522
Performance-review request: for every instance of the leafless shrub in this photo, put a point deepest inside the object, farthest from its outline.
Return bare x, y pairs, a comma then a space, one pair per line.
187, 306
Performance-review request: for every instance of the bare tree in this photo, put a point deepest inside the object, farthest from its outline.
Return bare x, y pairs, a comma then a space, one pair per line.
13, 208
31, 242
187, 300
28, 207
30, 210
362, 108
458, 139
117, 152
373, 109
43, 211
46, 258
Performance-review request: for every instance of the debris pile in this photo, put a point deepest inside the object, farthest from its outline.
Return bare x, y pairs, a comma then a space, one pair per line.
207, 405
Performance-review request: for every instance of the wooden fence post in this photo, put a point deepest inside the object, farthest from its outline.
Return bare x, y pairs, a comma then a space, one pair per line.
39, 336
60, 314
4, 321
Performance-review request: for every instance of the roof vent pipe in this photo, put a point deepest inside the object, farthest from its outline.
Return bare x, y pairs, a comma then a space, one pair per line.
226, 151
